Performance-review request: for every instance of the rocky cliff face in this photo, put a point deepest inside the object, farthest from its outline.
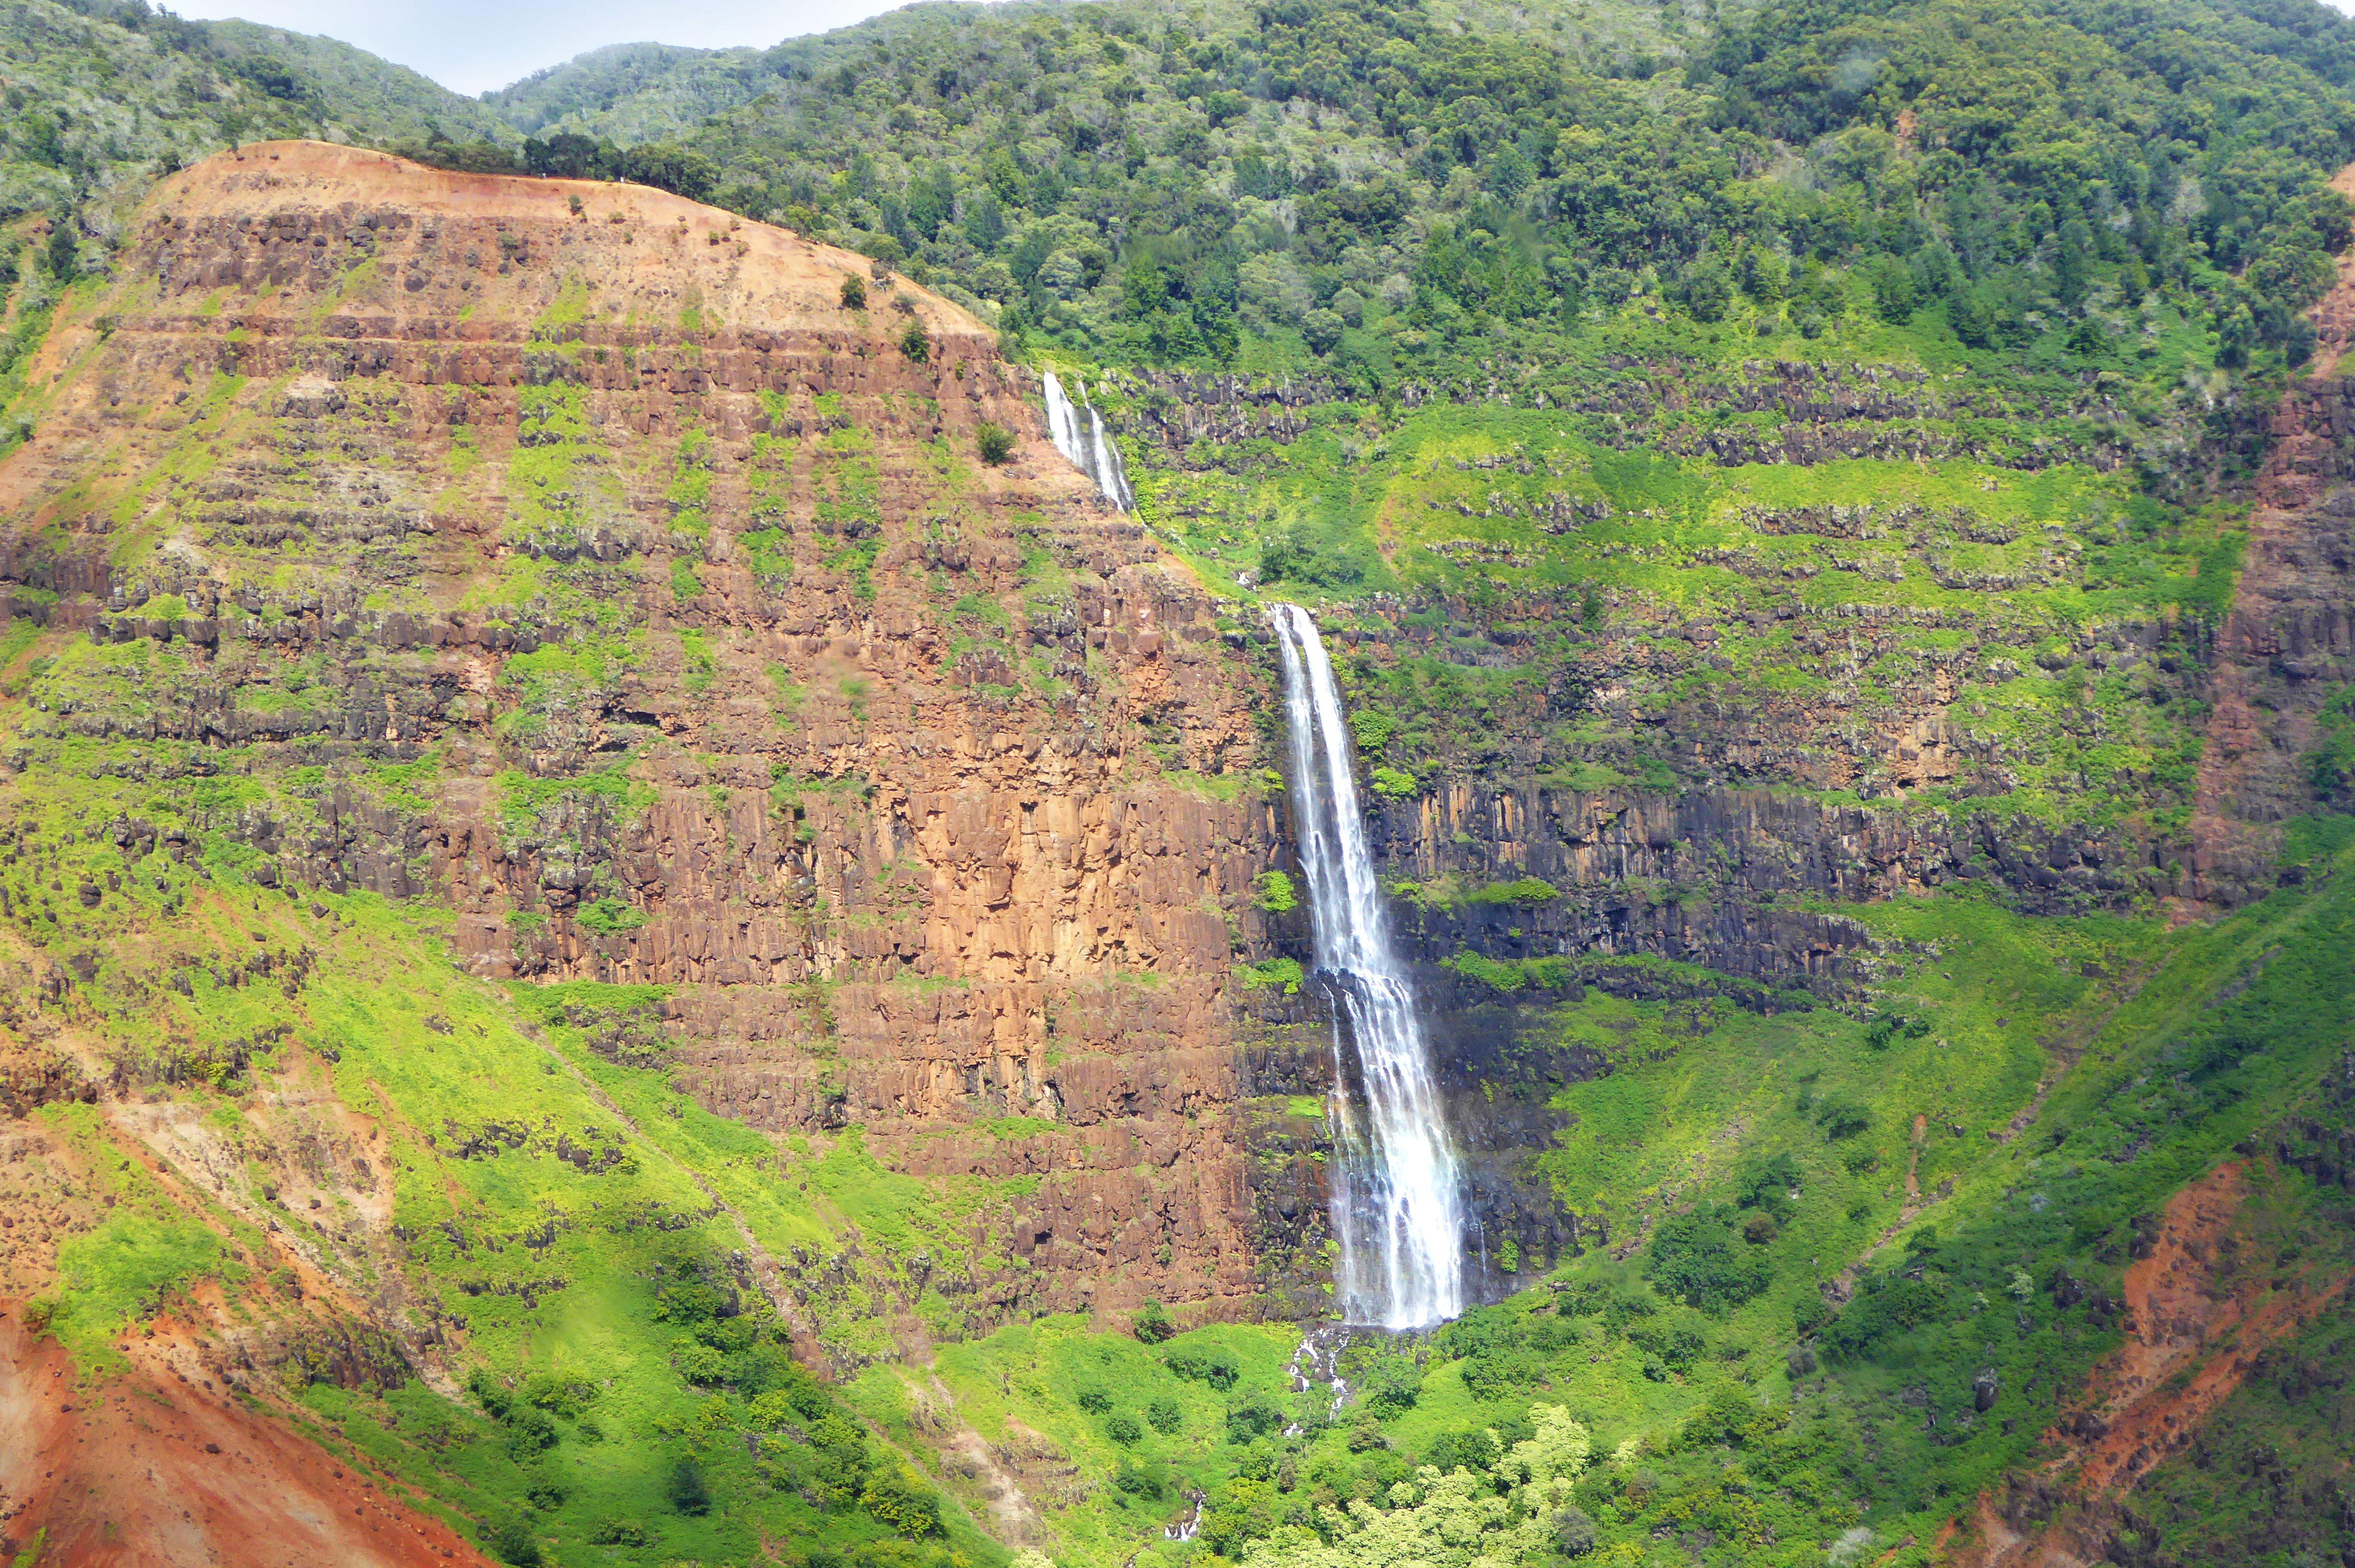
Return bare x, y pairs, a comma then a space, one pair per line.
571, 556
2288, 644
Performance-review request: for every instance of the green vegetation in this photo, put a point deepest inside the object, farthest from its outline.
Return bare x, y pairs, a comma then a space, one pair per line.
1273, 892
1824, 412
2012, 185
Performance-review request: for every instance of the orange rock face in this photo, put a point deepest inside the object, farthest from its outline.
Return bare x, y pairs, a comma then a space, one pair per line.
906, 770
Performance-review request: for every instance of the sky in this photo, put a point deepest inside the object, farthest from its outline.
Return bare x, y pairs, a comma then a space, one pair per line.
472, 46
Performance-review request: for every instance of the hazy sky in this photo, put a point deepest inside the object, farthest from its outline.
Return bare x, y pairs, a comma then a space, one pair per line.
472, 46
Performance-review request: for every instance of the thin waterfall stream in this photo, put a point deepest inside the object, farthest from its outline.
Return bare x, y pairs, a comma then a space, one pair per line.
1078, 432
1397, 1189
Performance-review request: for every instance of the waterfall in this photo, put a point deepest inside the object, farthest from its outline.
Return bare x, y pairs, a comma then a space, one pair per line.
1396, 1198
1086, 444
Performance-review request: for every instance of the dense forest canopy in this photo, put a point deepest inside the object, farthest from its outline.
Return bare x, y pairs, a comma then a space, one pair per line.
1376, 184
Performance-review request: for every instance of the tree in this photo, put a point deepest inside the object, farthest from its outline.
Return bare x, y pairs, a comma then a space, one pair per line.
985, 220
1967, 313
913, 343
1005, 178
995, 443
932, 201
1694, 1258
1706, 289
64, 244
687, 1492
1893, 291
667, 166
854, 291
2069, 264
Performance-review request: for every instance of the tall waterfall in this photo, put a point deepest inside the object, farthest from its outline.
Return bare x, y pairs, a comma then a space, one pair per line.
1398, 1208
1079, 434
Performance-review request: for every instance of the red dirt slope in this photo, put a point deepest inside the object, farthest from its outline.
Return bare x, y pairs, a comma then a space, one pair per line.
159, 1470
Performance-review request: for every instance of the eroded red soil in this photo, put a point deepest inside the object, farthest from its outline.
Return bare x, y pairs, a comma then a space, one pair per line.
2197, 1320
158, 1468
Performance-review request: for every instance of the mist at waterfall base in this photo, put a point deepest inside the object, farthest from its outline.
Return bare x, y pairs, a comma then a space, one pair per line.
1397, 1188
1078, 432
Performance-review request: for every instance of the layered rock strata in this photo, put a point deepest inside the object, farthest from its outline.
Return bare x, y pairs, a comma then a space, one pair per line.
652, 609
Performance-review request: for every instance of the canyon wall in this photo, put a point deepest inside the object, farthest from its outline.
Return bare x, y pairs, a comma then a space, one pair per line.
571, 556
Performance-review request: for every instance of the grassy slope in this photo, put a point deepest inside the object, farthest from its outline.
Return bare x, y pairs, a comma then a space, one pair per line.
1864, 1422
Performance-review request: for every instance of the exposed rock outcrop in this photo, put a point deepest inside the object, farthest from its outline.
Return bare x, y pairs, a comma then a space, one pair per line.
731, 668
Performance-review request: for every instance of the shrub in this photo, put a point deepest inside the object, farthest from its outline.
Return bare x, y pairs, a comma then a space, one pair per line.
854, 291
1164, 1417
1153, 1325
913, 343
1094, 1401
995, 443
609, 917
1694, 1259
618, 1532
513, 1543
490, 1393
1391, 1390
562, 1395
1842, 1118
1293, 556
1529, 891
1730, 1416
896, 1499
1273, 893
1124, 1428
1204, 1367
1494, 1375
529, 1432
1136, 1480
1371, 728
1394, 783
1252, 1418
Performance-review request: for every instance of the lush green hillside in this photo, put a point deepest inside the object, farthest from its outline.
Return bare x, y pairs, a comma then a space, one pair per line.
1820, 509
1235, 178
103, 97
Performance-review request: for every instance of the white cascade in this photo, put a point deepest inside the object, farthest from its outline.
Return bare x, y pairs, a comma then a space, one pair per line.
1398, 1207
1079, 434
